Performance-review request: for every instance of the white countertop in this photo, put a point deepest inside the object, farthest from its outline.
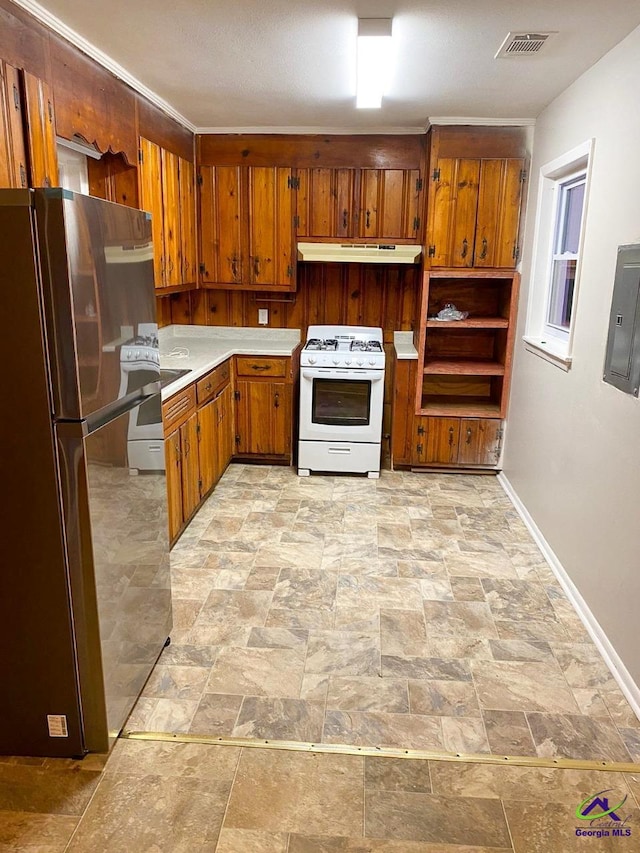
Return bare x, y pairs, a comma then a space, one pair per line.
201, 348
403, 343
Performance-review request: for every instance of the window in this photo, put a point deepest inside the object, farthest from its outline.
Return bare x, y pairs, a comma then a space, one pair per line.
555, 271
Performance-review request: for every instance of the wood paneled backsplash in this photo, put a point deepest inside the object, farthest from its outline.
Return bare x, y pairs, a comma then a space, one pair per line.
349, 294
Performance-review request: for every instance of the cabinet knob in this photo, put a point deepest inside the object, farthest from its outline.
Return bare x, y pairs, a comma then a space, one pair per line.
483, 253
465, 248
468, 435
208, 386
345, 214
367, 220
276, 401
450, 436
256, 267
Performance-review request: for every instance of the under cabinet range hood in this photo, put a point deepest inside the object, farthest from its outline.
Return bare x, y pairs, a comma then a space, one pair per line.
360, 253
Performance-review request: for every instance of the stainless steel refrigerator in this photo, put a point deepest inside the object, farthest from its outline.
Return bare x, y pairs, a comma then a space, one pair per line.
85, 599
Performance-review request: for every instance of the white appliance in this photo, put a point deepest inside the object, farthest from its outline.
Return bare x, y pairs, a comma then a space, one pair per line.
341, 400
139, 356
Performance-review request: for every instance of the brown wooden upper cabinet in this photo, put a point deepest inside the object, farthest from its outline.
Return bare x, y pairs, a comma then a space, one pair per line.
359, 203
41, 132
167, 192
247, 227
475, 212
13, 155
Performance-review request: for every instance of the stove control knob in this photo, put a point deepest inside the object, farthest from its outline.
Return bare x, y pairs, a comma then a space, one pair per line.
312, 360
347, 361
336, 361
360, 362
129, 355
372, 361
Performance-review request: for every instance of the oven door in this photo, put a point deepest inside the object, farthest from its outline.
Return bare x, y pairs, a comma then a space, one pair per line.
340, 404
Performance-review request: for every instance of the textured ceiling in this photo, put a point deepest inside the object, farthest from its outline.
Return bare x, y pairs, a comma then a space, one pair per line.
289, 65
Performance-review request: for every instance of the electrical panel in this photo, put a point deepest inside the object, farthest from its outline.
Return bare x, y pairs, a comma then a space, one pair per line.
622, 361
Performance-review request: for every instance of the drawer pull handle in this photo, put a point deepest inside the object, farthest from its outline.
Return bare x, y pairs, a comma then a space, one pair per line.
468, 435
276, 401
465, 248
260, 367
450, 436
367, 222
208, 386
345, 213
483, 253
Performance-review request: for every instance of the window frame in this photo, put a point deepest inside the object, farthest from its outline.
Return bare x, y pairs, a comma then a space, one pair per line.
544, 338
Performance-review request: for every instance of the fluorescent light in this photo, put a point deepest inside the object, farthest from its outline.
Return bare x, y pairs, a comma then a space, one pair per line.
374, 61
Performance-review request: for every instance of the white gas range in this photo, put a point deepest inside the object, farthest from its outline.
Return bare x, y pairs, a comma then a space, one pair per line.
341, 400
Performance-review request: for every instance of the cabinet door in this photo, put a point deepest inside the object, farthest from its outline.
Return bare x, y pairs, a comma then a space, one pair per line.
171, 218
223, 224
455, 202
208, 445
263, 418
226, 429
403, 415
173, 457
190, 467
389, 203
479, 441
271, 238
187, 221
41, 133
17, 152
6, 165
498, 217
436, 440
326, 205
150, 177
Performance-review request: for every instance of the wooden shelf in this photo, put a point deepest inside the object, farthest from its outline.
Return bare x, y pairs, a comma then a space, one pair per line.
469, 323
458, 407
463, 367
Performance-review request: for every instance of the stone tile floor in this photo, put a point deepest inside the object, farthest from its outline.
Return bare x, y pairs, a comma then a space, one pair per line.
412, 611
154, 797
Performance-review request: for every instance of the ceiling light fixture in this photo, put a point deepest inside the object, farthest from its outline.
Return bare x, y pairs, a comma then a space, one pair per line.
374, 61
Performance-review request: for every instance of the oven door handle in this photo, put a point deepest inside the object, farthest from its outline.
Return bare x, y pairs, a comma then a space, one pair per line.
330, 373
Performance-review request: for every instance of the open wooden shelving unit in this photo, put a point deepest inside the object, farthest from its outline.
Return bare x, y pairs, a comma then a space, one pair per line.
464, 366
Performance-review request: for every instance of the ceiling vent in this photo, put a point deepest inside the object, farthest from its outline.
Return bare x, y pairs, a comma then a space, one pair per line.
523, 44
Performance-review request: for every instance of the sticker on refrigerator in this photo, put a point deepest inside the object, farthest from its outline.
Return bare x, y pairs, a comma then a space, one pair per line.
57, 724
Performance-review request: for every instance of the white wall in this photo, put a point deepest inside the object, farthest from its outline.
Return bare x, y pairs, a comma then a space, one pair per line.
572, 450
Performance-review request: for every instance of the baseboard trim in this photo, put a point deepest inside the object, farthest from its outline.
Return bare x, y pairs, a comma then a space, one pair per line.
613, 661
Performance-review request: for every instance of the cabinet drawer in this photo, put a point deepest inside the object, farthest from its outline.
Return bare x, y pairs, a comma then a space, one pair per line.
213, 382
259, 366
177, 409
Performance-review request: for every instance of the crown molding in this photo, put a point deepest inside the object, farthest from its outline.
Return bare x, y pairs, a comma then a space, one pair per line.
59, 27
483, 122
318, 131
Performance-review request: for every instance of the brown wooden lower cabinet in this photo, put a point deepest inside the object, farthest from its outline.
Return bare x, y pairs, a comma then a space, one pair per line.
198, 444
457, 441
263, 407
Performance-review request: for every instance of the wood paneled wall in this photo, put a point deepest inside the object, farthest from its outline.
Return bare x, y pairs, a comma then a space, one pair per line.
353, 294
89, 100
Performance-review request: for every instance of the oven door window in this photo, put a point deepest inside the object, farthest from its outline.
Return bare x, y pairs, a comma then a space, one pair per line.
343, 402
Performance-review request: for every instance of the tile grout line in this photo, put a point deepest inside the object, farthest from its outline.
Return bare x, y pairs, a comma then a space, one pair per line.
226, 808
86, 808
506, 820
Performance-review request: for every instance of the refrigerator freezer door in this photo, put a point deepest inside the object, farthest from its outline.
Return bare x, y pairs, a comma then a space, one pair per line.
96, 259
38, 660
117, 539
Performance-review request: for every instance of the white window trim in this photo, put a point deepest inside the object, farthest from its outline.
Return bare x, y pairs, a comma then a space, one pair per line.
539, 337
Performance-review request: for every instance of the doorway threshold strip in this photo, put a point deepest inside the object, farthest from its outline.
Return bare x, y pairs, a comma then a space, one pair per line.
389, 752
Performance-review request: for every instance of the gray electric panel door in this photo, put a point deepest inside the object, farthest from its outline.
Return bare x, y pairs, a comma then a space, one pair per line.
622, 361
